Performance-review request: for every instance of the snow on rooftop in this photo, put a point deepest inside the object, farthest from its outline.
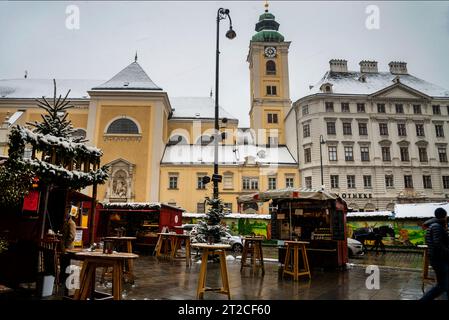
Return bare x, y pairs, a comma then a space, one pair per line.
227, 154
36, 88
418, 210
197, 107
229, 215
349, 83
132, 77
14, 117
386, 214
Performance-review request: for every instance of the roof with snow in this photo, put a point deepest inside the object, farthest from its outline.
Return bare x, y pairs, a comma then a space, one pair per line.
133, 77
384, 214
418, 210
137, 205
197, 107
229, 215
227, 154
36, 88
350, 83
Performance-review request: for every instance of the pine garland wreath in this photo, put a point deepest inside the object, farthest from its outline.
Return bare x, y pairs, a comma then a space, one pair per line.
210, 228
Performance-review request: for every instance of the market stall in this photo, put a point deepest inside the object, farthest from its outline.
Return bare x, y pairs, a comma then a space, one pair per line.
143, 220
315, 216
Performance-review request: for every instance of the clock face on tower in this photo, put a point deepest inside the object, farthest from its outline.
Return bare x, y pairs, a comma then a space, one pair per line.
270, 52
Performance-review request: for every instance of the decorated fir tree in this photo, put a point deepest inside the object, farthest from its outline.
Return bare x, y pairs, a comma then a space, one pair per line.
210, 229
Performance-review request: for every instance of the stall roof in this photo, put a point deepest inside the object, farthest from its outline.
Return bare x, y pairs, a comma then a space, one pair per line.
229, 215
137, 205
387, 214
288, 193
418, 210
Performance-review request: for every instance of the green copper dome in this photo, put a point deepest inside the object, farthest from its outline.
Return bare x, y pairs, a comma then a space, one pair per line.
267, 29
268, 36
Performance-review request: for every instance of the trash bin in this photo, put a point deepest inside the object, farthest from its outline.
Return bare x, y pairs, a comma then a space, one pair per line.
45, 285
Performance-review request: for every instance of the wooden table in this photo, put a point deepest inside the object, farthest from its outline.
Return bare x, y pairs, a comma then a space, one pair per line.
129, 267
295, 246
177, 240
164, 245
425, 269
93, 260
220, 250
253, 246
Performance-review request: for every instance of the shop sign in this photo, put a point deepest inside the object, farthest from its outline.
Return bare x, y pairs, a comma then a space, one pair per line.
356, 195
281, 216
31, 201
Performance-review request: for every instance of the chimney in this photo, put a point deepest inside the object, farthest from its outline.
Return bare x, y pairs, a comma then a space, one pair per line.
398, 67
368, 66
338, 65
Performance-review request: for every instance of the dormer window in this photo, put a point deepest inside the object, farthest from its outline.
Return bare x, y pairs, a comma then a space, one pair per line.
362, 78
326, 87
126, 84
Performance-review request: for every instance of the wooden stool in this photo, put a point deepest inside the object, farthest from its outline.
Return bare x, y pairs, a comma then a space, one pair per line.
94, 260
216, 249
425, 274
164, 245
253, 246
295, 246
178, 240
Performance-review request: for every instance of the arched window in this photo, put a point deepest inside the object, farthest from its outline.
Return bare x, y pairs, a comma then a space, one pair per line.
271, 67
177, 139
205, 140
123, 126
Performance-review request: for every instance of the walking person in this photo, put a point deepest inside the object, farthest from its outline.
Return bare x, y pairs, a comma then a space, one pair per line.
438, 248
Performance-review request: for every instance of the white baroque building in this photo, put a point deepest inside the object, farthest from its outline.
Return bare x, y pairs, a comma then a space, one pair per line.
384, 136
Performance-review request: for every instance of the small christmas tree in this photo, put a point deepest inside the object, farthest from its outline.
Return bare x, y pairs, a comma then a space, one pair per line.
210, 229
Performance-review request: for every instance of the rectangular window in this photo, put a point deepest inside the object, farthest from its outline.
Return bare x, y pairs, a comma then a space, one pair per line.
271, 91
228, 182
399, 108
427, 182
349, 154
250, 183
272, 185
289, 182
305, 110
360, 107
420, 130
417, 109
308, 182
347, 128
200, 184
351, 181
445, 182
422, 154
389, 181
334, 182
442, 154
364, 153
272, 117
363, 129
439, 130
402, 131
173, 181
367, 182
436, 109
329, 106
386, 156
381, 108
273, 141
200, 207
332, 153
331, 128
306, 130
307, 155
383, 129
345, 107
404, 154
408, 181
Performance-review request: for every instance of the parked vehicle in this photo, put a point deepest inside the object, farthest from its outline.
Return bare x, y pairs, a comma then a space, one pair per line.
234, 241
355, 248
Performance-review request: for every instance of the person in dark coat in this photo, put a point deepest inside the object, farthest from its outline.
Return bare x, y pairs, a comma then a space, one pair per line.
438, 249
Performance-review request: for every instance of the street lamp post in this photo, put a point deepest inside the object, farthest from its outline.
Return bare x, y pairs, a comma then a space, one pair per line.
321, 159
230, 34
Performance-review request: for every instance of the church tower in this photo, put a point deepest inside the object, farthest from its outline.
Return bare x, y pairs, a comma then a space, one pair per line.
269, 81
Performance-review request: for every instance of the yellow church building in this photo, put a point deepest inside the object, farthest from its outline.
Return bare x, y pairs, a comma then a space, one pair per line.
159, 147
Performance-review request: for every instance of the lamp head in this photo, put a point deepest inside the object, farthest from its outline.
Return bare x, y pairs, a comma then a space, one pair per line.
231, 33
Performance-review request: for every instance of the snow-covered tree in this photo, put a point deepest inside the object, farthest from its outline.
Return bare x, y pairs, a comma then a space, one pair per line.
210, 229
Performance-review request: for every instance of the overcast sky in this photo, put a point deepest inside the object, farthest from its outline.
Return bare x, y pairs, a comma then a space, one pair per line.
175, 42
